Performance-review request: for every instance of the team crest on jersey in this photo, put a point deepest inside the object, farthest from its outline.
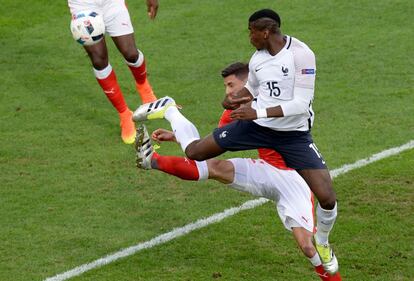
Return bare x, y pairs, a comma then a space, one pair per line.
285, 71
223, 134
308, 71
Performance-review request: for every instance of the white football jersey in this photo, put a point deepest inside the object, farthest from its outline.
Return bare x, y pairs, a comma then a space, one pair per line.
286, 79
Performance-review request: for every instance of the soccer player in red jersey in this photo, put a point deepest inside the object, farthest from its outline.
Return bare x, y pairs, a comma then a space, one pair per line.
118, 25
267, 176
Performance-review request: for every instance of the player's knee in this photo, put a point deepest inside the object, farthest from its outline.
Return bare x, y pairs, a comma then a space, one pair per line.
328, 201
320, 183
131, 55
193, 153
328, 204
214, 168
308, 249
99, 62
220, 170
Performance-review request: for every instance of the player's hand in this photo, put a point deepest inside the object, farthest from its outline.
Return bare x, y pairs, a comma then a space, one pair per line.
160, 135
243, 113
152, 8
233, 102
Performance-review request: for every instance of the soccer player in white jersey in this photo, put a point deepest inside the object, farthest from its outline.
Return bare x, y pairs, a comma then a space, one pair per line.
265, 177
118, 25
280, 86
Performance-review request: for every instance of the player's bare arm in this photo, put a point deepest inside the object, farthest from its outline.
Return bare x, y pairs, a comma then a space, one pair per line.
152, 8
235, 100
249, 113
160, 135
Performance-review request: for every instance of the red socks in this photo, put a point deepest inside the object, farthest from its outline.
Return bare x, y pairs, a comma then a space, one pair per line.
325, 276
139, 73
181, 167
111, 89
335, 277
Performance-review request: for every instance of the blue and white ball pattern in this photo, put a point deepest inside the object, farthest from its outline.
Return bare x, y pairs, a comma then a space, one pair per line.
88, 28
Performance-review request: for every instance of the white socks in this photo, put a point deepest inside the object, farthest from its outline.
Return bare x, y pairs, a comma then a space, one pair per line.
202, 170
185, 132
102, 74
325, 223
139, 61
315, 260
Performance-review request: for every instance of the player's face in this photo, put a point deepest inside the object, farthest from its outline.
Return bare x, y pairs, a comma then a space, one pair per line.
232, 84
257, 37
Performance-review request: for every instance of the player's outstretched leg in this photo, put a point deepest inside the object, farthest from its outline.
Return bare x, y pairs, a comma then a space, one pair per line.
153, 110
184, 168
144, 149
185, 131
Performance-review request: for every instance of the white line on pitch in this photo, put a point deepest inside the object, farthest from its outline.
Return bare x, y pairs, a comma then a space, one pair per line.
177, 232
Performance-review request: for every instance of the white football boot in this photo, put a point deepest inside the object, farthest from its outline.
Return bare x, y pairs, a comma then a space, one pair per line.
153, 110
143, 147
328, 258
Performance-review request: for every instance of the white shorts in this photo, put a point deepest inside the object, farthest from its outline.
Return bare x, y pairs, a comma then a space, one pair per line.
293, 198
115, 14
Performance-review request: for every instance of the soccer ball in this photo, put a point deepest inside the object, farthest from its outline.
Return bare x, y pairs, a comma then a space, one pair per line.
88, 28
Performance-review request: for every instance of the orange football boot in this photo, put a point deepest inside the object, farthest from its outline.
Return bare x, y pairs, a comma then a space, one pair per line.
146, 92
127, 127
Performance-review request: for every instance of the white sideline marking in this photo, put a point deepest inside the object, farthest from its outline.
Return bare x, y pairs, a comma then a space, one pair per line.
177, 232
375, 157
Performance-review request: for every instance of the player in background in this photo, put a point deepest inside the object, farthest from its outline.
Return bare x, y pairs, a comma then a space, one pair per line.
118, 25
267, 176
281, 88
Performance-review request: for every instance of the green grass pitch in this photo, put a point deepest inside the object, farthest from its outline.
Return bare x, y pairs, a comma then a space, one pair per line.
69, 190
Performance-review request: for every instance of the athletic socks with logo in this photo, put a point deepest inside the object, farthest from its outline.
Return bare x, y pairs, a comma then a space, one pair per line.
138, 68
181, 167
325, 223
139, 71
109, 84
